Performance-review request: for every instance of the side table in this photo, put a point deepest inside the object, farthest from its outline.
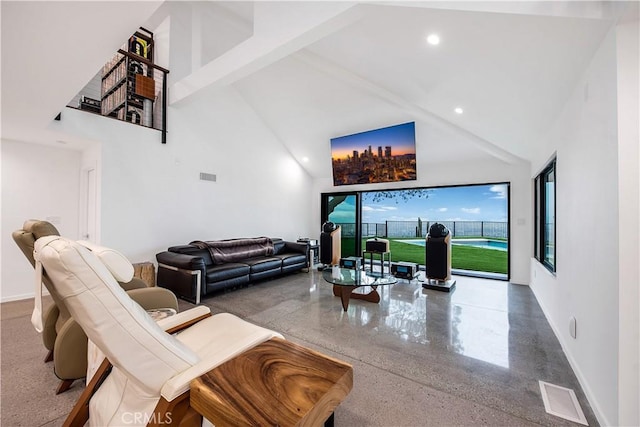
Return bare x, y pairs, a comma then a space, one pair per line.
275, 383
145, 271
314, 254
314, 250
385, 258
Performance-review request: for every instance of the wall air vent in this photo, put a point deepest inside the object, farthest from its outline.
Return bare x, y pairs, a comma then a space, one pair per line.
207, 177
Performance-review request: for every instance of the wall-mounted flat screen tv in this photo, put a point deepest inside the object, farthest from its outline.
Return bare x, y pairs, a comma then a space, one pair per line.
380, 155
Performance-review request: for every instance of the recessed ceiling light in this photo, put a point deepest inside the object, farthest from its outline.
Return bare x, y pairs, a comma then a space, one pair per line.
433, 39
305, 159
458, 110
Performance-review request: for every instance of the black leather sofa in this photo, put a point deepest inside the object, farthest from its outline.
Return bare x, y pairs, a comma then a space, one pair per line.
195, 270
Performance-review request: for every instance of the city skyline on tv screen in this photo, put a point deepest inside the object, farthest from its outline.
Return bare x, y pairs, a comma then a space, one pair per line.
380, 155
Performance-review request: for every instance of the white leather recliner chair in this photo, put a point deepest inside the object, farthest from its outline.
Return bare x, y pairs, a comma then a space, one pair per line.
151, 369
61, 335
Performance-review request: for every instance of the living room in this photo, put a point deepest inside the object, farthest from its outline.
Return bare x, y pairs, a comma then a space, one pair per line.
245, 122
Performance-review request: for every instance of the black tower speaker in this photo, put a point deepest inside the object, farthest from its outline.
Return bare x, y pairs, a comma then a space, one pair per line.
438, 253
325, 248
330, 244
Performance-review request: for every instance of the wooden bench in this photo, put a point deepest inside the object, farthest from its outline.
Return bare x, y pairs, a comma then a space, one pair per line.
275, 383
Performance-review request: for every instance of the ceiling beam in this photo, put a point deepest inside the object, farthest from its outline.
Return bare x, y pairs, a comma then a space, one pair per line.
280, 29
564, 9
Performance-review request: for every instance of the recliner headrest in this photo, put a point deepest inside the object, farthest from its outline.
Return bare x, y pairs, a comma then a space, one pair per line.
117, 264
40, 228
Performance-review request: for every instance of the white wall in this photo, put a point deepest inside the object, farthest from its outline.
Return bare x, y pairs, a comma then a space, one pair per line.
628, 40
151, 195
586, 281
481, 170
38, 182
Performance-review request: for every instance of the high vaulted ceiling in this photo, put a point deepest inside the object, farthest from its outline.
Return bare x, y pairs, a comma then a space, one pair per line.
316, 70
50, 50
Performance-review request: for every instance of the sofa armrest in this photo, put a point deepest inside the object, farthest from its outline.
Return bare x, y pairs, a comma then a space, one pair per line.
181, 261
303, 248
183, 274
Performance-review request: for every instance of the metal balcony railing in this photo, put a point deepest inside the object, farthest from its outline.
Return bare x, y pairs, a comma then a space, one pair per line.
408, 229
130, 88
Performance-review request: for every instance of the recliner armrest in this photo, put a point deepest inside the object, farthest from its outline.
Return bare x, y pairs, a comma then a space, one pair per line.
134, 283
184, 317
154, 298
219, 338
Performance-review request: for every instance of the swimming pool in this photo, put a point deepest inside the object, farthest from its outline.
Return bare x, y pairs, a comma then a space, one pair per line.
498, 245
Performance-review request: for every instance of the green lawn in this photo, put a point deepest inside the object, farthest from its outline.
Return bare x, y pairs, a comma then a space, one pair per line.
462, 257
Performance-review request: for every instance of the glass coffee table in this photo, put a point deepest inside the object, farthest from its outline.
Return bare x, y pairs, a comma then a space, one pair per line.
345, 281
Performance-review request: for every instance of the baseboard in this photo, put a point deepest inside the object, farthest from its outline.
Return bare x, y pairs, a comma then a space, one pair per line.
22, 296
602, 419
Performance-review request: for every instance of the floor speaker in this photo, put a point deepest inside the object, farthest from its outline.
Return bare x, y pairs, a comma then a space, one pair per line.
330, 251
438, 258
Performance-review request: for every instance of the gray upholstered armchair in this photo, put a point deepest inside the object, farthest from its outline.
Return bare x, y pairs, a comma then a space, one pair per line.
64, 339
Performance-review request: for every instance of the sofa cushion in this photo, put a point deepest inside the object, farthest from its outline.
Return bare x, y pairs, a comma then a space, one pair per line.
292, 258
227, 283
263, 264
262, 275
230, 270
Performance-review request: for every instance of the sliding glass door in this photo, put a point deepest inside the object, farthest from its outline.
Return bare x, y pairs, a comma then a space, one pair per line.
344, 209
476, 215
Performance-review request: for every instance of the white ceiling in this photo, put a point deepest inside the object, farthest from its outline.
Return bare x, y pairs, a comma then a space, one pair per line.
317, 70
50, 50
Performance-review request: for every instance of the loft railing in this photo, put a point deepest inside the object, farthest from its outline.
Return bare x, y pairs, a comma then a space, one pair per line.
129, 88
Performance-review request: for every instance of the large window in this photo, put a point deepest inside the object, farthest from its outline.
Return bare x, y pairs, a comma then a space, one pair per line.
476, 215
545, 224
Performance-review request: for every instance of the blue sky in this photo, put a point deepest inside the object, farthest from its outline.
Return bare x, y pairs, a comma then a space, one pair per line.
402, 139
469, 203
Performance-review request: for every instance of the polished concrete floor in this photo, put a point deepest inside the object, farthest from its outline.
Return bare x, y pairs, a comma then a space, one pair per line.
420, 357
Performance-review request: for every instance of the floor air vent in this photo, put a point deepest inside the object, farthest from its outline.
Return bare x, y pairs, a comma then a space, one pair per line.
562, 402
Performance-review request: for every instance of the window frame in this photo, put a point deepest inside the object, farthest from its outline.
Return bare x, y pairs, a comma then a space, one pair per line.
543, 238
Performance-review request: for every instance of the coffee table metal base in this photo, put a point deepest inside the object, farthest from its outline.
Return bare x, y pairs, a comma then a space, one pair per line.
346, 293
